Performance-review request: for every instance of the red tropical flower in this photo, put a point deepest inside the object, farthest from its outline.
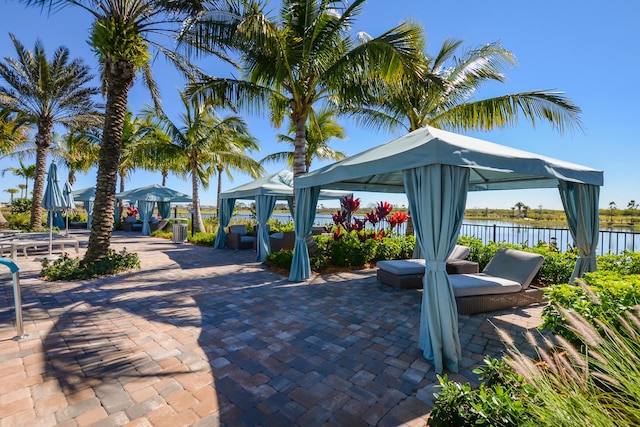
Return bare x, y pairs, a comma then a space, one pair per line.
349, 204
383, 209
358, 224
371, 217
339, 217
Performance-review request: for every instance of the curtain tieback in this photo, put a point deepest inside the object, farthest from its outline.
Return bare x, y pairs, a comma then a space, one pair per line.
436, 265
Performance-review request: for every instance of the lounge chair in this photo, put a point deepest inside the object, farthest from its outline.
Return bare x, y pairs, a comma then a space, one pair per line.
504, 283
36, 242
282, 240
239, 238
408, 273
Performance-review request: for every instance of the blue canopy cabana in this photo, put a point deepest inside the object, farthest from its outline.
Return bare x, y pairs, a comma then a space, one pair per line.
436, 169
147, 197
87, 196
265, 191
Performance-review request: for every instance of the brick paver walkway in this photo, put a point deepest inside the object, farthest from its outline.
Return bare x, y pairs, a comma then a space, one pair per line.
205, 338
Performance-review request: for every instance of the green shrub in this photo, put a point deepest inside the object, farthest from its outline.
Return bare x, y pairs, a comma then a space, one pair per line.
624, 264
614, 294
276, 226
281, 259
65, 268
21, 205
203, 239
501, 401
349, 251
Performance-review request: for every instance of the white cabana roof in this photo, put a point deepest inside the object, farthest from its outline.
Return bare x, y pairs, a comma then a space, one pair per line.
493, 166
279, 184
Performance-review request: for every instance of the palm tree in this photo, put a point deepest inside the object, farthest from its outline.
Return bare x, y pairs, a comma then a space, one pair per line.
45, 93
304, 57
12, 192
125, 35
12, 133
443, 97
77, 151
26, 172
203, 143
322, 129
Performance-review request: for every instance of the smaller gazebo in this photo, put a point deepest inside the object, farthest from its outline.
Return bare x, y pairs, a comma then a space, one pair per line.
265, 191
147, 197
87, 196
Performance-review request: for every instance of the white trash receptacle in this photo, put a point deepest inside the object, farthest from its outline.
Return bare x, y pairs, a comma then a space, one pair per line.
179, 230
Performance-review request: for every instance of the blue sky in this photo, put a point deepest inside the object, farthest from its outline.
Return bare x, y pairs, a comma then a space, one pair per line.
588, 52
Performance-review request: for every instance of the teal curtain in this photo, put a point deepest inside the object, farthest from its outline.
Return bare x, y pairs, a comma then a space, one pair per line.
437, 196
305, 214
226, 209
291, 208
145, 210
264, 209
88, 206
580, 203
164, 209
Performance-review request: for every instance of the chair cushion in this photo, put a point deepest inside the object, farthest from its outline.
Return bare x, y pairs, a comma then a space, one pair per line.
402, 267
465, 285
238, 229
278, 235
246, 239
515, 265
460, 252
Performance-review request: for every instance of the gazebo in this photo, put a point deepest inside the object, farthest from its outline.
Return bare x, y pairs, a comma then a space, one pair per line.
436, 169
87, 196
147, 197
265, 191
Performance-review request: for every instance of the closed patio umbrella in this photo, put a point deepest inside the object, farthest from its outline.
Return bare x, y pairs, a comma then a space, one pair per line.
53, 199
69, 202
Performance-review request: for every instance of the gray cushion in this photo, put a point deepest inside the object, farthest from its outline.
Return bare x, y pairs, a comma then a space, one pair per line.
278, 235
402, 267
460, 252
246, 239
238, 229
514, 265
466, 285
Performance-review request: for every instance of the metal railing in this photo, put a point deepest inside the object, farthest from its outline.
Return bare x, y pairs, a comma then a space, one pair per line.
610, 241
17, 297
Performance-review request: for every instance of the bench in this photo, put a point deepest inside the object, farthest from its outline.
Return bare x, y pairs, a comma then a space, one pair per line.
23, 244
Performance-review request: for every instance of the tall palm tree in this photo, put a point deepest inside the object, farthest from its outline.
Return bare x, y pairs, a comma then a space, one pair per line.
318, 134
45, 93
23, 171
443, 96
125, 36
202, 142
303, 57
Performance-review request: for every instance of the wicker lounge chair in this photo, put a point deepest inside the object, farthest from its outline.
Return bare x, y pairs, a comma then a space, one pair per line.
408, 273
239, 238
504, 283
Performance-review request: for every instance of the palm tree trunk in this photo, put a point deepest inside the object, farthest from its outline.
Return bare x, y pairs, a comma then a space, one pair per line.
220, 170
198, 224
43, 141
119, 78
299, 145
